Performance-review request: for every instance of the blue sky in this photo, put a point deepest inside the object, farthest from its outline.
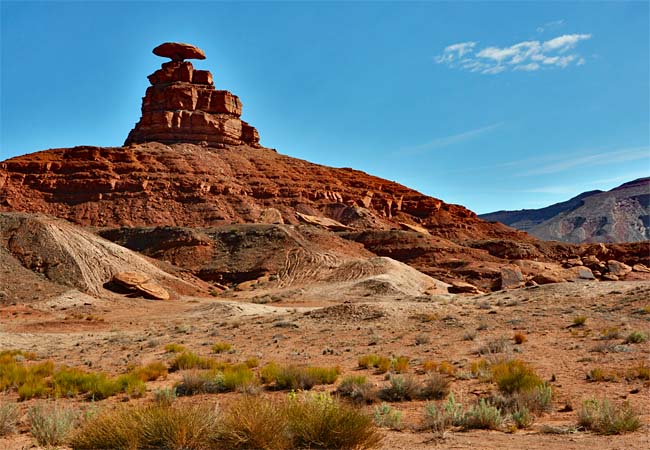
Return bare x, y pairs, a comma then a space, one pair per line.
492, 105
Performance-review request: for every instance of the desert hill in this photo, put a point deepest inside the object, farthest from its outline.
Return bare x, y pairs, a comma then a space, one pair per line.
619, 215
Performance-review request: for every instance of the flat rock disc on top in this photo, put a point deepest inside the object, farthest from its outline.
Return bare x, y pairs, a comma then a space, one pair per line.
178, 51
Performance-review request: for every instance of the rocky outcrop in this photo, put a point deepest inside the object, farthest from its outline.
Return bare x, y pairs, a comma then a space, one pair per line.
619, 215
182, 105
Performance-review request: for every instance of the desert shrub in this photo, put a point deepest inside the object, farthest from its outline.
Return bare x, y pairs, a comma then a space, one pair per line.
51, 424
438, 418
386, 416
194, 382
320, 421
610, 333
522, 418
444, 367
238, 377
483, 416
537, 400
641, 372
513, 376
605, 418
519, 338
172, 427
383, 365
368, 361
357, 388
480, 369
400, 388
221, 347
636, 337
164, 397
254, 423
579, 321
8, 418
499, 345
400, 364
189, 360
435, 387
131, 384
150, 372
599, 374
174, 348
295, 377
252, 362
32, 387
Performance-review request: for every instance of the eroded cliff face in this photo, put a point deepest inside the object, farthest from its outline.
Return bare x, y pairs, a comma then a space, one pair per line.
193, 185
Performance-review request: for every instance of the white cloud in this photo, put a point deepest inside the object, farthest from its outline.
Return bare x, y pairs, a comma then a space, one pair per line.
449, 140
525, 56
550, 25
530, 67
564, 42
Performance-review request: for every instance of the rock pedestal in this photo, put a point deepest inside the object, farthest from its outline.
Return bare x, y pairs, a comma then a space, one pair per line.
182, 106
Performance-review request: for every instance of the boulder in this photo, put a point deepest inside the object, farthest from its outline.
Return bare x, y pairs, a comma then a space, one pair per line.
323, 222
178, 51
416, 228
609, 277
461, 287
618, 268
511, 278
547, 278
130, 280
640, 268
272, 216
150, 289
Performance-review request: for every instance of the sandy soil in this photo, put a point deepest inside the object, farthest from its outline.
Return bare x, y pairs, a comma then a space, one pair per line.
108, 334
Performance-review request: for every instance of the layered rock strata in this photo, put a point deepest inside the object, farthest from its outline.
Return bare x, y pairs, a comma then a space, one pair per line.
182, 105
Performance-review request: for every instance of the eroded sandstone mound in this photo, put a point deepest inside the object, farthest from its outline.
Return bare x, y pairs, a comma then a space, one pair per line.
67, 255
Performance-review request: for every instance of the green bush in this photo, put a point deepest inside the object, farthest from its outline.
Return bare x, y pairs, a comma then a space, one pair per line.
388, 417
605, 418
514, 375
439, 418
483, 416
8, 418
51, 424
400, 388
189, 360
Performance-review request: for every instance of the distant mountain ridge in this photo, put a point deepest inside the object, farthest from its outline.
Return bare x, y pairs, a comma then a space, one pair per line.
619, 215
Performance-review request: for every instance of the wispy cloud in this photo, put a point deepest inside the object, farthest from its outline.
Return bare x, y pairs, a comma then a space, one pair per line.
448, 140
526, 56
595, 159
550, 25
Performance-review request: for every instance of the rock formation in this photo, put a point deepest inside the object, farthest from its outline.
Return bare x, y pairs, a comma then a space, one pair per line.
619, 215
182, 105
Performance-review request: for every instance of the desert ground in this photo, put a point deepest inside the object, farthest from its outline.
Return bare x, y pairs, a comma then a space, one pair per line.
111, 333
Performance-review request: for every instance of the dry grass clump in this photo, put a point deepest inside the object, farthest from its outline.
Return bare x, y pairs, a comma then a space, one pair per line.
400, 388
296, 377
610, 333
579, 321
42, 380
605, 418
357, 388
382, 364
599, 374
444, 367
173, 427
51, 424
400, 364
221, 347
320, 421
641, 372
309, 421
514, 375
174, 348
8, 418
498, 345
189, 360
636, 337
519, 338
236, 377
435, 387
